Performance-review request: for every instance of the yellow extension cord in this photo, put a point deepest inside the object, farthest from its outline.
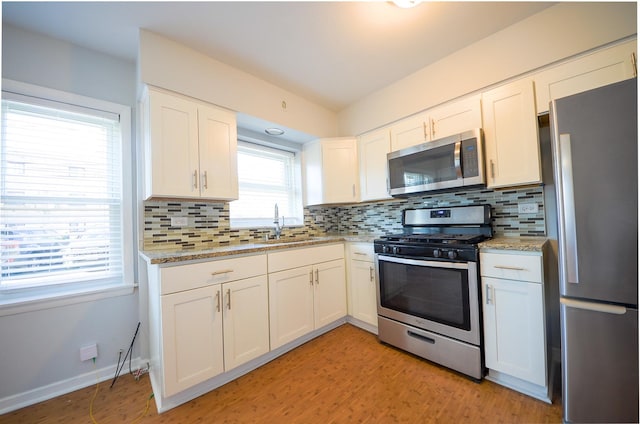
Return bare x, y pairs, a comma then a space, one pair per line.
146, 409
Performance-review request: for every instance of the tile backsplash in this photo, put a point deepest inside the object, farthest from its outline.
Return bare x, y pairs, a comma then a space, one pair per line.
208, 223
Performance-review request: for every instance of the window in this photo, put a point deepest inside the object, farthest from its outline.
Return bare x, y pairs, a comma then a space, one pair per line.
65, 211
266, 177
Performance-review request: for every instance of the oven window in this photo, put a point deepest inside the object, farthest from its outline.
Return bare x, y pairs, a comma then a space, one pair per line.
436, 294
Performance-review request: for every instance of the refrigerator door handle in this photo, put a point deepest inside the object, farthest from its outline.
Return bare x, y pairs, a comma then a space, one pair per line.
596, 307
569, 224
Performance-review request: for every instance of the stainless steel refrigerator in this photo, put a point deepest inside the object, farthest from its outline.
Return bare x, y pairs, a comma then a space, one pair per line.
595, 159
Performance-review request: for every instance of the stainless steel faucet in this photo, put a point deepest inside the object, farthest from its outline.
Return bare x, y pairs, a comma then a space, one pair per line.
276, 221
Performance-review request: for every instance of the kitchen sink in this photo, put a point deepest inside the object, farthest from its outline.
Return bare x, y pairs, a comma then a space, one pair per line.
283, 240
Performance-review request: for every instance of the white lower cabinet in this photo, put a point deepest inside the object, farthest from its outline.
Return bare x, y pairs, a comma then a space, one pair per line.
245, 320
514, 321
362, 285
206, 319
191, 338
308, 297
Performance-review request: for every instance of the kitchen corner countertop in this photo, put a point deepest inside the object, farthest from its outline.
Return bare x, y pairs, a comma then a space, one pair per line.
527, 244
174, 256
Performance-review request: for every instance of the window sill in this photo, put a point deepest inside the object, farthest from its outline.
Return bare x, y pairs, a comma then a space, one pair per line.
30, 303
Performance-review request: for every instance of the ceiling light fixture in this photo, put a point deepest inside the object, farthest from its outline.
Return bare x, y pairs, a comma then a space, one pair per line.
274, 131
406, 4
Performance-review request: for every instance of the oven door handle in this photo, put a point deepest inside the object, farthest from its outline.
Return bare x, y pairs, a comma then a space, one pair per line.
423, 262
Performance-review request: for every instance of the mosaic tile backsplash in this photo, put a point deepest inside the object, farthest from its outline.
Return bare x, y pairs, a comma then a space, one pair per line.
208, 223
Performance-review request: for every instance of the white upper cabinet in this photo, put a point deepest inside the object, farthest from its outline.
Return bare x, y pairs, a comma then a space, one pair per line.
190, 148
456, 117
442, 121
331, 171
372, 150
512, 152
595, 70
410, 132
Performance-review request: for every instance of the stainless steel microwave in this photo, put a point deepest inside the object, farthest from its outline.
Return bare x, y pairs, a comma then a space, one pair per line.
449, 162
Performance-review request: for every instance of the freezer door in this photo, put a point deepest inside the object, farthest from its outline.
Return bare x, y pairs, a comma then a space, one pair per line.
599, 362
595, 147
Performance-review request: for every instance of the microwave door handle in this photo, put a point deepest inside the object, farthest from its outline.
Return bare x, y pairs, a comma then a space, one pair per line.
456, 159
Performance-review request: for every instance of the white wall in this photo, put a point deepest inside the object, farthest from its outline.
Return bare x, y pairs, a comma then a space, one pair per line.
168, 64
40, 349
556, 33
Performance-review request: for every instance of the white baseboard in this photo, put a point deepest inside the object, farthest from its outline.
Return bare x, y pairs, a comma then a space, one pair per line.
30, 397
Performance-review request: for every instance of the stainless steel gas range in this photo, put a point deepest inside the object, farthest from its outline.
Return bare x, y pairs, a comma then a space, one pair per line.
428, 286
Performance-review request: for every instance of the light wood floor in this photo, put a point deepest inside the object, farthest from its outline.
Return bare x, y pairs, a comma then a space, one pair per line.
345, 376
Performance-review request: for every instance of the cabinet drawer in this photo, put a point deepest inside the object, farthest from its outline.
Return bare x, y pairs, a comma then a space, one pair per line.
185, 277
293, 258
361, 251
511, 266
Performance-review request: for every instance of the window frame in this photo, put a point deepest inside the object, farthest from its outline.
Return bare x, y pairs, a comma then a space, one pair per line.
17, 300
259, 223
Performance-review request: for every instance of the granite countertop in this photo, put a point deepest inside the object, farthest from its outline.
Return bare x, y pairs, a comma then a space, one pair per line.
173, 256
528, 244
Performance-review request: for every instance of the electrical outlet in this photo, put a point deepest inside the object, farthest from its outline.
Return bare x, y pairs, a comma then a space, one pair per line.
319, 218
527, 208
179, 221
88, 352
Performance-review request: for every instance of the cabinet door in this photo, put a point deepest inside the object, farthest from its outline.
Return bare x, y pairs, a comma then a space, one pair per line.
595, 70
290, 305
511, 135
173, 146
363, 292
246, 320
340, 171
191, 338
372, 150
330, 298
409, 132
218, 153
514, 328
455, 118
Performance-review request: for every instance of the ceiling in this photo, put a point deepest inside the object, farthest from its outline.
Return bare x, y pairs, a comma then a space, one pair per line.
331, 53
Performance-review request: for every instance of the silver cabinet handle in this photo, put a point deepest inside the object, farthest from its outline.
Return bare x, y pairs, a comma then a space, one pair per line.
223, 271
205, 180
371, 273
317, 276
493, 172
424, 130
487, 292
311, 277
229, 299
218, 300
359, 253
195, 179
433, 128
512, 268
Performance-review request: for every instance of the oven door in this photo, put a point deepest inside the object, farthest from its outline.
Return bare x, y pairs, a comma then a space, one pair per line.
441, 297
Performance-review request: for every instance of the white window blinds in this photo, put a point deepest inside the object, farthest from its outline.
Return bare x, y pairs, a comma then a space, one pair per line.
266, 177
61, 194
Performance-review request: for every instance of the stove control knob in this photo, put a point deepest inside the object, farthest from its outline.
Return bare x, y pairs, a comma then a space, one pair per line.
385, 249
452, 254
437, 253
396, 250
